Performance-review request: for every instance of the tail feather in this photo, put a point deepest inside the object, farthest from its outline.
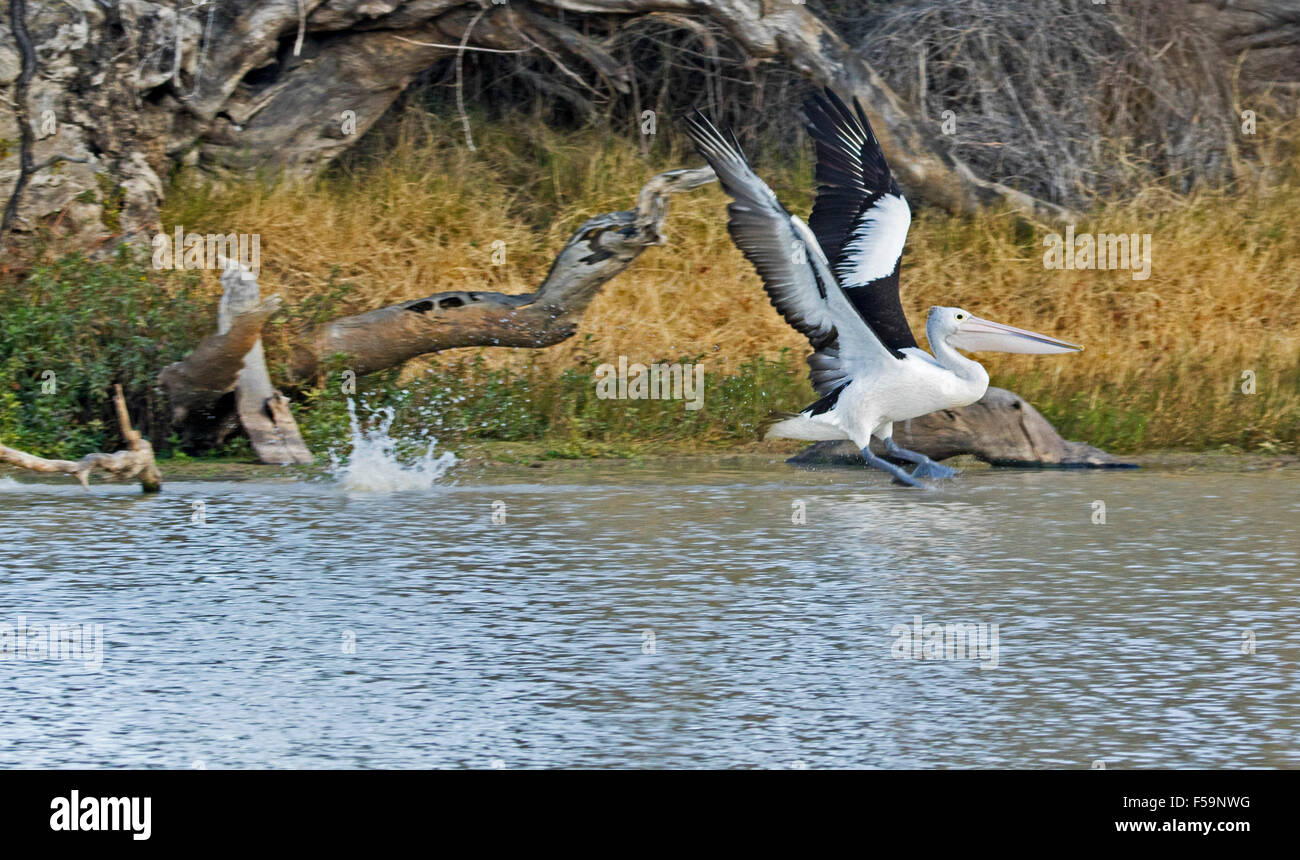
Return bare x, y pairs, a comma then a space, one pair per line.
792, 425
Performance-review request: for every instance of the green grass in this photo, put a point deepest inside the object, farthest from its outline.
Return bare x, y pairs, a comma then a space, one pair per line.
84, 326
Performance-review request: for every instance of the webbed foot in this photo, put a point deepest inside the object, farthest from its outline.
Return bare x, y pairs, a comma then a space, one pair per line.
931, 469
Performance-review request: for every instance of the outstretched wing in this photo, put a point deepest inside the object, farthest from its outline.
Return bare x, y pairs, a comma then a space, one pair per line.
795, 272
860, 217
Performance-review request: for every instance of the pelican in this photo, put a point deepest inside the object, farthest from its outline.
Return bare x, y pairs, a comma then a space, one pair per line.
835, 280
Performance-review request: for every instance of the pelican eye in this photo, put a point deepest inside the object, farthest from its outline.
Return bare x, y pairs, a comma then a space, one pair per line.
961, 316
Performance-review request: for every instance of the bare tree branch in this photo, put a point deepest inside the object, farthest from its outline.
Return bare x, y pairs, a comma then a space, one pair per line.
135, 462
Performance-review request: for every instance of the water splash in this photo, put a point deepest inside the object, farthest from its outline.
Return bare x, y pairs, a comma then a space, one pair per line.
375, 466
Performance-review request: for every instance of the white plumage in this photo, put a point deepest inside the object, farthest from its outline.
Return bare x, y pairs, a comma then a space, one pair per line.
877, 243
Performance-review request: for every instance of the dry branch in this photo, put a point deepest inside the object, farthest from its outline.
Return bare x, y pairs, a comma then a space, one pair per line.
1102, 102
263, 410
212, 369
232, 361
136, 461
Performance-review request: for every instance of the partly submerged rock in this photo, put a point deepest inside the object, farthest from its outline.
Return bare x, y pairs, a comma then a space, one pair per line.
1001, 428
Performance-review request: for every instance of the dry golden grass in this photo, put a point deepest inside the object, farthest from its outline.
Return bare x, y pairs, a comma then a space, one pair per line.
1163, 358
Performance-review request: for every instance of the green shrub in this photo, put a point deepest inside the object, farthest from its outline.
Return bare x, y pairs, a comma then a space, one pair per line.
72, 329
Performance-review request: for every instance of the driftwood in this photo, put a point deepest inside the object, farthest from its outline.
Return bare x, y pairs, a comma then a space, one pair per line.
137, 461
232, 361
1001, 428
262, 409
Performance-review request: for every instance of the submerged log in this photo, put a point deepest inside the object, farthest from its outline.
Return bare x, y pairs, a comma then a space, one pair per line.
137, 461
1001, 429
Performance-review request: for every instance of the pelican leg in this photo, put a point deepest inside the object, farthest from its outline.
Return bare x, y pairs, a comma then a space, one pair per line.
899, 473
925, 467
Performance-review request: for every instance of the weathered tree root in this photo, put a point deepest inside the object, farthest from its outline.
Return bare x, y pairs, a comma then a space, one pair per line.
129, 76
135, 462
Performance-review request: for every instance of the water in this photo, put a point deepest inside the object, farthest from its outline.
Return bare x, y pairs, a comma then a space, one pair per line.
524, 644
374, 464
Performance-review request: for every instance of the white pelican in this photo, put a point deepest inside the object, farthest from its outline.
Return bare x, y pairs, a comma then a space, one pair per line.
836, 282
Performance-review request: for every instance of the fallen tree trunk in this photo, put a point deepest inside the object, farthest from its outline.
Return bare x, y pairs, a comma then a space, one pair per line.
600, 249
135, 462
1001, 429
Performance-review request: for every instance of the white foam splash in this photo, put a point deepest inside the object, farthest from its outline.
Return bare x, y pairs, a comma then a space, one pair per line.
9, 485
374, 466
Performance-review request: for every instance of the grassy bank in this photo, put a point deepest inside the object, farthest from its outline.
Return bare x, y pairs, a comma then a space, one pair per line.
412, 212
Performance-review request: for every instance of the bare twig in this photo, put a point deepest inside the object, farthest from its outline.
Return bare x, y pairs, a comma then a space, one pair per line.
460, 79
1103, 101
302, 27
462, 46
137, 461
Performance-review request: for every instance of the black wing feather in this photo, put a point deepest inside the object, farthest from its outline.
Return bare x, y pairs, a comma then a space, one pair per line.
853, 177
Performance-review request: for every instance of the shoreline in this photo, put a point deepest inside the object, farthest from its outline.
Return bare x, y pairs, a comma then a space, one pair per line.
544, 458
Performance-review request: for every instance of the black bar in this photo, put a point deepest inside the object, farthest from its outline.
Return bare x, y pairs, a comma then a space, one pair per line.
329, 809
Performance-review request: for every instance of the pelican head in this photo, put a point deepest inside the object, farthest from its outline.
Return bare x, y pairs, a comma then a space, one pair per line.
961, 329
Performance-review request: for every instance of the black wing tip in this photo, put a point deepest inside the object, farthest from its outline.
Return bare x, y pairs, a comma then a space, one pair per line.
825, 110
833, 127
706, 135
815, 112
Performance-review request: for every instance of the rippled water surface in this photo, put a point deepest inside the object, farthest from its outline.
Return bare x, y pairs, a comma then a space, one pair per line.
663, 616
